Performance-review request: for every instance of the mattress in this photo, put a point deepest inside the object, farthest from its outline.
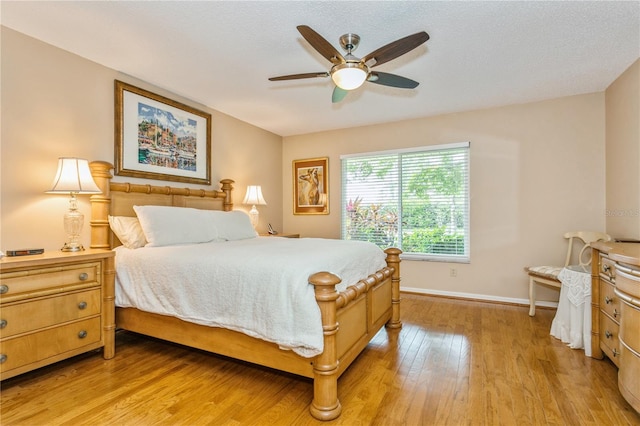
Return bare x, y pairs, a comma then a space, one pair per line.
257, 286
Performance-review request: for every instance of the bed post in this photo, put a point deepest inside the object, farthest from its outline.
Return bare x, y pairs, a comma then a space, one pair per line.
325, 404
227, 186
393, 261
100, 205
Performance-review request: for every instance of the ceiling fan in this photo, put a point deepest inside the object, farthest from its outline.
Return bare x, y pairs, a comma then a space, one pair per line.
349, 72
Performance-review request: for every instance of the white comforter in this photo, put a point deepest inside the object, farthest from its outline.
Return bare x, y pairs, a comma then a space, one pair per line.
257, 286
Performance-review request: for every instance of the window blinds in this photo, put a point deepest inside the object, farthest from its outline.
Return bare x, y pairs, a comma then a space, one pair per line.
416, 200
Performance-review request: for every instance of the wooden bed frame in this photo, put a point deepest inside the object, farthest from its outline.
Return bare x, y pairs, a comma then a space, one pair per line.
350, 318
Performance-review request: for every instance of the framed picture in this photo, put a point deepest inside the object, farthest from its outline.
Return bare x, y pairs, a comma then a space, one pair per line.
311, 186
158, 138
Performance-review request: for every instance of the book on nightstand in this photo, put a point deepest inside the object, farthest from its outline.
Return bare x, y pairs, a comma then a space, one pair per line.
25, 252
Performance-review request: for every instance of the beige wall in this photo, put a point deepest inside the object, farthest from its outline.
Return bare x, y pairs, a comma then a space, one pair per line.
537, 171
58, 104
622, 99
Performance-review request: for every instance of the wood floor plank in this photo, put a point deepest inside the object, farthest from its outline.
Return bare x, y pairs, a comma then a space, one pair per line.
454, 362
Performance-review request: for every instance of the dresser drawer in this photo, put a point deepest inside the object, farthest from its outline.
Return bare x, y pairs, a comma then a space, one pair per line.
628, 382
17, 284
18, 351
607, 269
609, 343
26, 316
609, 302
628, 281
630, 324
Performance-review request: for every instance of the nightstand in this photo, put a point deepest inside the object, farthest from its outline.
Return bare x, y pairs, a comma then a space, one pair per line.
54, 306
283, 235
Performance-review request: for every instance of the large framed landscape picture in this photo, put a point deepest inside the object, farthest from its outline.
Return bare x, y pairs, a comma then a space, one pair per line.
159, 138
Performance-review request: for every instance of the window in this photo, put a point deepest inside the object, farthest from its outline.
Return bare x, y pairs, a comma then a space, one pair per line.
414, 199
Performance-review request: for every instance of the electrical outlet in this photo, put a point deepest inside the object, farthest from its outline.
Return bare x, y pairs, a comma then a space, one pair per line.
453, 272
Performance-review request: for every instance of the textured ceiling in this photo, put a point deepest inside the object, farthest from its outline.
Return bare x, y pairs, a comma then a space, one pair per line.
220, 53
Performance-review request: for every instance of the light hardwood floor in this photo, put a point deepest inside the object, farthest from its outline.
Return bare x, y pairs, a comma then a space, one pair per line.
454, 362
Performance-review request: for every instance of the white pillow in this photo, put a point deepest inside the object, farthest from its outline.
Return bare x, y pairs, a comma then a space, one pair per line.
235, 225
165, 226
128, 231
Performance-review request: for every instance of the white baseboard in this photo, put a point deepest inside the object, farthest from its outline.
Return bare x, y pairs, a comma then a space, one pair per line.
482, 297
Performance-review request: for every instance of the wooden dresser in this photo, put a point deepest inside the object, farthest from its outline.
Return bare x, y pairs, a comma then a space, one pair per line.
54, 306
616, 312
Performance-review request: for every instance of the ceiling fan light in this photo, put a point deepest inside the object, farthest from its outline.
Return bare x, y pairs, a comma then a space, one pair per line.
349, 75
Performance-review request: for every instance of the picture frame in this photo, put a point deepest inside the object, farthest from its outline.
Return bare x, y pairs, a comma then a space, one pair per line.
311, 186
159, 138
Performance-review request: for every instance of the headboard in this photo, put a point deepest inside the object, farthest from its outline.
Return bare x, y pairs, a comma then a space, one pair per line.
118, 199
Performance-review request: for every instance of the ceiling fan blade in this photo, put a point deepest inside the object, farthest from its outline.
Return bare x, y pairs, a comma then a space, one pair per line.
299, 76
321, 45
338, 95
395, 49
392, 80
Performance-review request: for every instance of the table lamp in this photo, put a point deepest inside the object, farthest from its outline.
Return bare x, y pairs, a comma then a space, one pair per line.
73, 177
253, 197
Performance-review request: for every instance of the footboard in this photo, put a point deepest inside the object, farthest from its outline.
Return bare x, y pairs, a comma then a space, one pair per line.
350, 319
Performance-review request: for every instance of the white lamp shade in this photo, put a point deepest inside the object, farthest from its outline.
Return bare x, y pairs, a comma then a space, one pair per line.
254, 196
73, 175
349, 76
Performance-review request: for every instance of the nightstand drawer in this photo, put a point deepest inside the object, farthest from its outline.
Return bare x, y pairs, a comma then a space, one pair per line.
18, 351
21, 317
47, 280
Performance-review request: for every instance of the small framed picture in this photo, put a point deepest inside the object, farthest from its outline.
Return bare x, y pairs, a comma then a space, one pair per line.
311, 186
159, 138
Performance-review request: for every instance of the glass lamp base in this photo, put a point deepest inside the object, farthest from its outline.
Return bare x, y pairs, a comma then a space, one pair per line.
254, 215
73, 221
72, 247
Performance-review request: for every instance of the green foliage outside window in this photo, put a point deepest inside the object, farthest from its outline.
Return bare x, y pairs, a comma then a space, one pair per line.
431, 214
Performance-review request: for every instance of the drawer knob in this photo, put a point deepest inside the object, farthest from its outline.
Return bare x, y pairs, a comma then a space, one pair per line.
82, 334
4, 289
615, 353
82, 305
3, 358
3, 323
608, 334
615, 313
83, 276
607, 300
606, 267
